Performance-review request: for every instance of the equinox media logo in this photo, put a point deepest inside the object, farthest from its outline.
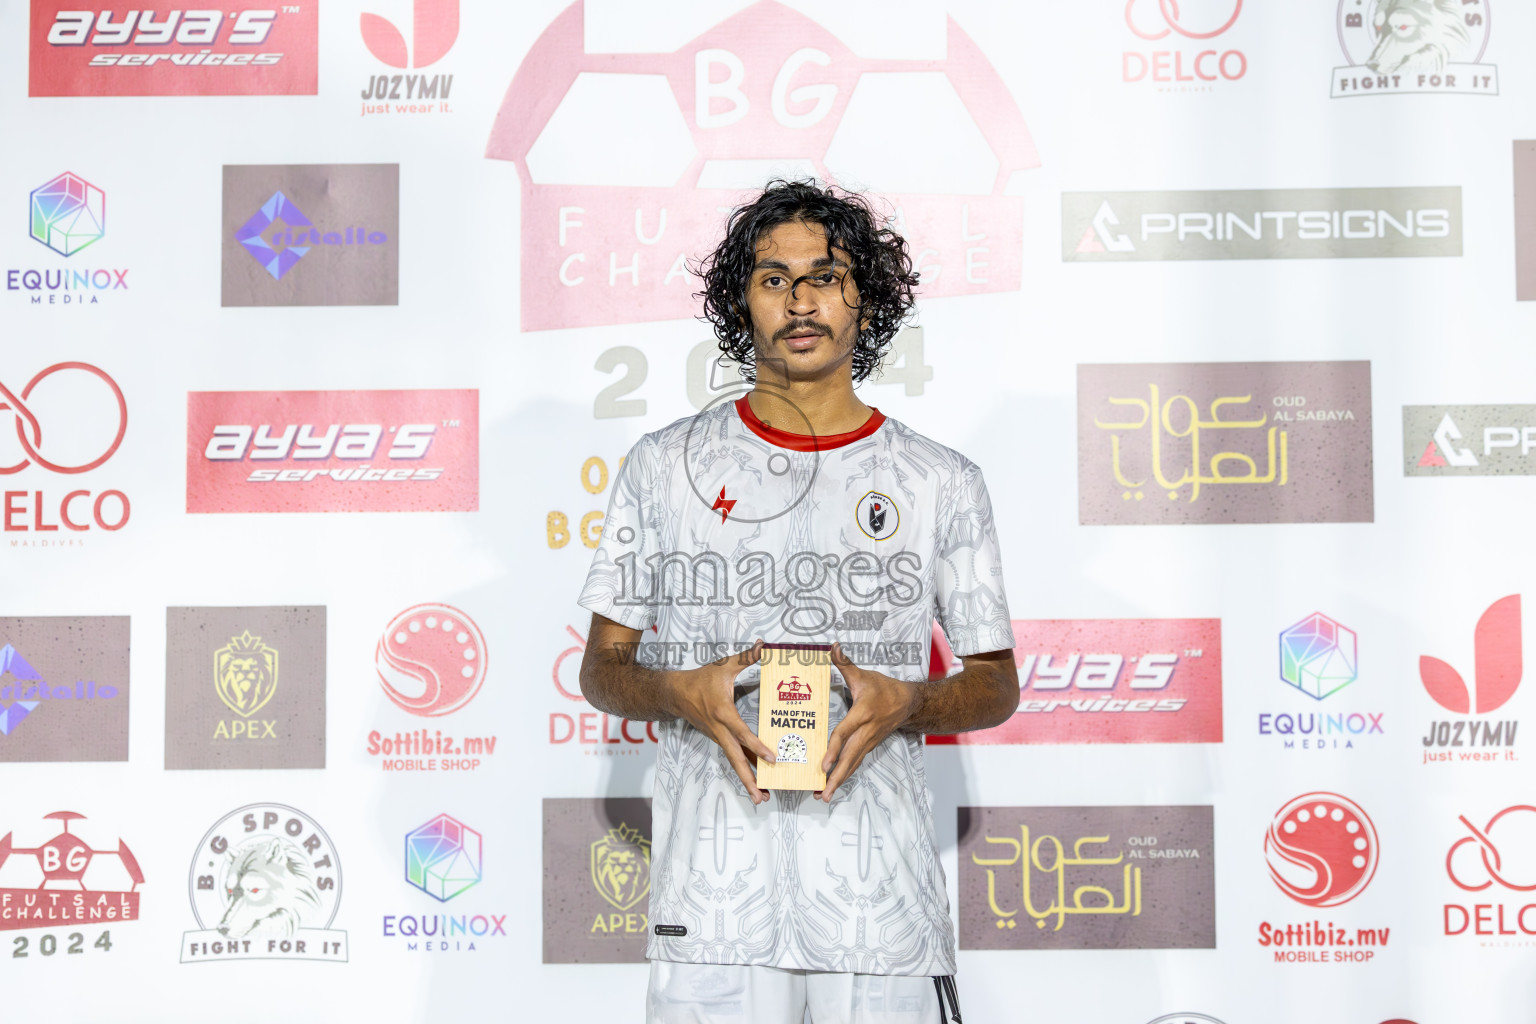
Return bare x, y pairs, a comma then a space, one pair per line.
68, 214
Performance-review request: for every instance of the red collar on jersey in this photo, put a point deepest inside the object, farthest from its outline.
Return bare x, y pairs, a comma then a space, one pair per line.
805, 442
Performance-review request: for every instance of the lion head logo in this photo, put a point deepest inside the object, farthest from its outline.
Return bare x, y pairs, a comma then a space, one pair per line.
245, 674
621, 866
1417, 35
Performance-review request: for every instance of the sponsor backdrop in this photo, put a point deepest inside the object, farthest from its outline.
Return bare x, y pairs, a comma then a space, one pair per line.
329, 326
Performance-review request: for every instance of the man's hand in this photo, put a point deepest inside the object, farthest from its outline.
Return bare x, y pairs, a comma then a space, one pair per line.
984, 693
613, 683
881, 705
704, 697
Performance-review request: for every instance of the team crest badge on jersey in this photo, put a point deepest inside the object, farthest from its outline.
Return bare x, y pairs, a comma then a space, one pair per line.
877, 515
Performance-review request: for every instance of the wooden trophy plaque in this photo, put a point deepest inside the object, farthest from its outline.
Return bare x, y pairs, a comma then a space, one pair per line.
792, 714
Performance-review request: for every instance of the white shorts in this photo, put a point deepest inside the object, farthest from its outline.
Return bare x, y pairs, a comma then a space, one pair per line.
715, 993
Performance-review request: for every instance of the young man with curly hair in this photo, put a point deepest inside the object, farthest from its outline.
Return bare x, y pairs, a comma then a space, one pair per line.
798, 514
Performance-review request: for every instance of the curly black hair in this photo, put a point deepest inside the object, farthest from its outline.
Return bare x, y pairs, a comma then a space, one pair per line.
882, 268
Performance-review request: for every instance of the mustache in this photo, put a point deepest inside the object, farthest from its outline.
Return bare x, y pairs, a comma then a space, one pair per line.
797, 326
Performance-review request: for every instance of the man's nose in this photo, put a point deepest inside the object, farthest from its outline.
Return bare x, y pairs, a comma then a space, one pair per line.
802, 299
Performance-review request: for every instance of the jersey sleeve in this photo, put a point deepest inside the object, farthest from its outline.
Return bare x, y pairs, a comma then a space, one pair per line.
619, 580
972, 606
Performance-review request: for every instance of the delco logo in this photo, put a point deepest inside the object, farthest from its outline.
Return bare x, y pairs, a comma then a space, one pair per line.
88, 49
333, 451
608, 226
1113, 681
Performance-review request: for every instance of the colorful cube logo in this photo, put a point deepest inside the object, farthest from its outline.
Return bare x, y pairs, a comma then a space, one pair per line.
442, 857
1318, 656
68, 214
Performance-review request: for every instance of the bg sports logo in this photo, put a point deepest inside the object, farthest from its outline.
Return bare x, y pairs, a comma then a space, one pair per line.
333, 451
607, 226
266, 883
96, 49
1398, 46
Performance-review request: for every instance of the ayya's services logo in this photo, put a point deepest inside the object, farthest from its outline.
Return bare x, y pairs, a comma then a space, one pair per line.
100, 48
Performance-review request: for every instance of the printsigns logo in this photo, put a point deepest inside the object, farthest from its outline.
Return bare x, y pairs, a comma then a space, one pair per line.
1407, 46
597, 873
342, 220
333, 451
1318, 656
1194, 63
1112, 681
1322, 849
1179, 443
431, 659
273, 726
266, 884
1500, 440
1496, 661
68, 214
621, 866
1260, 224
442, 857
66, 697
1138, 878
95, 48
606, 231
64, 882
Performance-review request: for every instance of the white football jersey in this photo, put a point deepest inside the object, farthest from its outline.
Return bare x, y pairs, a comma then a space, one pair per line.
722, 530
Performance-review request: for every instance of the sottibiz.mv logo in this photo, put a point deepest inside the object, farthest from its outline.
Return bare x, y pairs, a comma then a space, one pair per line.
333, 451
266, 883
106, 49
608, 225
1497, 668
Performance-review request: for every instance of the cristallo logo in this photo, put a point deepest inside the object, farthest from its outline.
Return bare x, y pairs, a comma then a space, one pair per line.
245, 674
1496, 663
621, 866
608, 225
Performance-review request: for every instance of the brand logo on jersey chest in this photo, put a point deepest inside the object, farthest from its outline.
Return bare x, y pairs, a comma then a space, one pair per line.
877, 515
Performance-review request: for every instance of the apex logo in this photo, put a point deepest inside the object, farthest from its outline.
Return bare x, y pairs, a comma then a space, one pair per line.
1496, 663
434, 29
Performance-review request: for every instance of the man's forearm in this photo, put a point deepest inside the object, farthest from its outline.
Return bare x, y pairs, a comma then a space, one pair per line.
621, 687
983, 694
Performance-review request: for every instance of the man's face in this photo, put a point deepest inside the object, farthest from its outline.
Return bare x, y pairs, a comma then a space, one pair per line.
803, 303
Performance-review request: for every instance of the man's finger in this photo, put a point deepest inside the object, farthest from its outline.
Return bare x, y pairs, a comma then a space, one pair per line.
750, 740
836, 740
743, 768
853, 753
